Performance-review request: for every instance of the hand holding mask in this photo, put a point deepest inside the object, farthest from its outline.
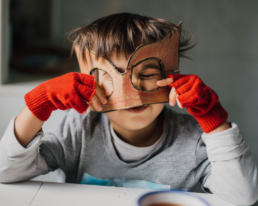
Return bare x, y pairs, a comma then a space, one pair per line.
200, 100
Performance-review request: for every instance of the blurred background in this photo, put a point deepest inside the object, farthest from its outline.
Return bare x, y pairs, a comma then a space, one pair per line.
34, 48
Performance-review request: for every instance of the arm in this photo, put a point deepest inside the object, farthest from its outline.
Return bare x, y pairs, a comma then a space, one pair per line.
72, 90
26, 125
18, 163
233, 173
56, 148
221, 128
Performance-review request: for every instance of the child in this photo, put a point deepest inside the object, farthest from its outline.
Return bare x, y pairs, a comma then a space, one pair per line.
142, 143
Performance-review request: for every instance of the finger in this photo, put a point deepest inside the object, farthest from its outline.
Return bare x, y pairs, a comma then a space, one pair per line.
86, 79
195, 99
100, 94
84, 91
78, 103
95, 102
184, 85
92, 108
87, 108
178, 102
164, 82
172, 97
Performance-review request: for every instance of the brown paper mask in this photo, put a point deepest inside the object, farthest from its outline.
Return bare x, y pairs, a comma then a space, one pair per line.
129, 90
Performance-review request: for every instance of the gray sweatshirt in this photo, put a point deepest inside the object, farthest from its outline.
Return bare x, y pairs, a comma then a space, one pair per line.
81, 146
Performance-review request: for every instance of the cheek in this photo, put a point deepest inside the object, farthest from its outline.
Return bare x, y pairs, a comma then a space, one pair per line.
116, 116
154, 110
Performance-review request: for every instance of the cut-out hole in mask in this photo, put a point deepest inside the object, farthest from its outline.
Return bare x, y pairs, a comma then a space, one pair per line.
146, 73
104, 80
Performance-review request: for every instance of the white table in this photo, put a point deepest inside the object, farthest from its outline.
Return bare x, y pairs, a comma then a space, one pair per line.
21, 194
34, 193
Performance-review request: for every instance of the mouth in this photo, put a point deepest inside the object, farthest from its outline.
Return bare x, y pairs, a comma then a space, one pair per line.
137, 110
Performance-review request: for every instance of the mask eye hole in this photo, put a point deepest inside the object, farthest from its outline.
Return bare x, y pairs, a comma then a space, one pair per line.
146, 73
104, 79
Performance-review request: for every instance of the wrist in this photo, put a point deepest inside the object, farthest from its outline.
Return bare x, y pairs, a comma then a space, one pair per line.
226, 125
213, 119
38, 103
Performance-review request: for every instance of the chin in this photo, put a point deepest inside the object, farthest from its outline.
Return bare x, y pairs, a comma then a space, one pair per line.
136, 124
135, 121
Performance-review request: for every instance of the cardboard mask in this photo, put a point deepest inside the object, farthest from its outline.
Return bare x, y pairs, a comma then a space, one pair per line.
128, 89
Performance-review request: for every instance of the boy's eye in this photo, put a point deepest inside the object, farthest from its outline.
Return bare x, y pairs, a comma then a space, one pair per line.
147, 76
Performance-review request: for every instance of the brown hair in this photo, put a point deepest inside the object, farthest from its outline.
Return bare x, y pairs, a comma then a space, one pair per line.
123, 32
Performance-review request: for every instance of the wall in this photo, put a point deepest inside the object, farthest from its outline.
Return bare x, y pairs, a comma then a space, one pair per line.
225, 57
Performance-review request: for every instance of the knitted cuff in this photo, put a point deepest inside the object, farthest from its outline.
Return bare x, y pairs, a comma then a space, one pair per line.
38, 103
213, 119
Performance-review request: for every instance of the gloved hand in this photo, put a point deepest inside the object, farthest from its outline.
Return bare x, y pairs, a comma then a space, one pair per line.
72, 90
200, 100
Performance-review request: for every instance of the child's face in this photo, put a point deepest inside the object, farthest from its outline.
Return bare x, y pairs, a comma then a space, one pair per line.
138, 118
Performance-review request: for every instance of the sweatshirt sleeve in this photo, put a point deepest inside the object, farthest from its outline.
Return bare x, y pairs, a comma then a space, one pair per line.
18, 163
233, 173
59, 147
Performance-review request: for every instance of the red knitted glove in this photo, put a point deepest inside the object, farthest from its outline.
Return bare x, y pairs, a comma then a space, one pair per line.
200, 100
64, 92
